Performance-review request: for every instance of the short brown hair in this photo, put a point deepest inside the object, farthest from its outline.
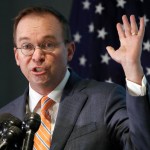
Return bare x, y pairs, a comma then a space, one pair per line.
43, 10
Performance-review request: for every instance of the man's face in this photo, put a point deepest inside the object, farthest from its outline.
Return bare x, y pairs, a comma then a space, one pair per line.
42, 69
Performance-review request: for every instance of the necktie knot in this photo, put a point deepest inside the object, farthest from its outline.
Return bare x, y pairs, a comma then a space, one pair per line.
46, 103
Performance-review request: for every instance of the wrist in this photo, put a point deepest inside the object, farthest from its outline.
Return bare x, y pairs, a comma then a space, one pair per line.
135, 74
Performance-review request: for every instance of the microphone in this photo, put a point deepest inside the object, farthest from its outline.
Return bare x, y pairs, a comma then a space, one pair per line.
7, 120
3, 117
11, 136
9, 124
30, 125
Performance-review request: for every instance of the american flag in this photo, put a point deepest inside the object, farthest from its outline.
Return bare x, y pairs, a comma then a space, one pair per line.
93, 26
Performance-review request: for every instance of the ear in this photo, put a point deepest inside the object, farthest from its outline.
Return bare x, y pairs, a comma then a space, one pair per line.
71, 50
16, 56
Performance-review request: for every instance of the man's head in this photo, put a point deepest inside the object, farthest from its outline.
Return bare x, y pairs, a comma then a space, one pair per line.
43, 47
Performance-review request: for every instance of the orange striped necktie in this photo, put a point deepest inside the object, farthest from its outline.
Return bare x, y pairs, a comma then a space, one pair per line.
42, 138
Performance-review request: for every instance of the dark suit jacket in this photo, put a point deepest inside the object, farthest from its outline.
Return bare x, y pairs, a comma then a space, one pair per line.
96, 116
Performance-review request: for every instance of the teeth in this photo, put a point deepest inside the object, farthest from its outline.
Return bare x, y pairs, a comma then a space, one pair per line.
38, 69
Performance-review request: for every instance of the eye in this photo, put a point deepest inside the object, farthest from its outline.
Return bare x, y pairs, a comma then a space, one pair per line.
27, 46
47, 45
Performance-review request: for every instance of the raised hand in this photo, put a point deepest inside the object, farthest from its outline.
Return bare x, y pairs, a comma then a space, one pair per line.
129, 52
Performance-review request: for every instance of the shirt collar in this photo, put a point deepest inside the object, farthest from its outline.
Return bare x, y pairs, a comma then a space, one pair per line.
55, 95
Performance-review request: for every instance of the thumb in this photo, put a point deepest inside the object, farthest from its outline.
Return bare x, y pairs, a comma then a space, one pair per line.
111, 51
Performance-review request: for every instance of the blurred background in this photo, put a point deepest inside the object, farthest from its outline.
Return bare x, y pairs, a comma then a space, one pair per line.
93, 26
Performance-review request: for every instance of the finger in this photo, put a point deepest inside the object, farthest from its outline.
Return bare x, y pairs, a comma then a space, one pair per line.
120, 30
126, 25
142, 27
111, 51
134, 27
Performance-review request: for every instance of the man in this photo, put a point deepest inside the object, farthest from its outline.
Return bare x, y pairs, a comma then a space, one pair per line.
86, 115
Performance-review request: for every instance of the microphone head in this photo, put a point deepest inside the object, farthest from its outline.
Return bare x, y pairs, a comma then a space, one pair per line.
31, 121
4, 117
13, 121
12, 135
7, 120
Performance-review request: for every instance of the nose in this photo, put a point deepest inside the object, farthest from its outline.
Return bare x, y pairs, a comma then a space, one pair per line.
38, 55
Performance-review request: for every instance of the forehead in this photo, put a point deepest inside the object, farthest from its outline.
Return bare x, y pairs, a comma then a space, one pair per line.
38, 26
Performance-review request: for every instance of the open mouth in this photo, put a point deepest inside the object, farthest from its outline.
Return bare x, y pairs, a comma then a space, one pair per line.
38, 70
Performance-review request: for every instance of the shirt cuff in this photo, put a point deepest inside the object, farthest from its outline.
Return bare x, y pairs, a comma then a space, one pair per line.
136, 89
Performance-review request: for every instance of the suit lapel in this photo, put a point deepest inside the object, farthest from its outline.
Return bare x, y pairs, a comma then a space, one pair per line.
69, 111
70, 107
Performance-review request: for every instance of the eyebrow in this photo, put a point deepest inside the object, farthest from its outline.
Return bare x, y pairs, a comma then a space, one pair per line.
23, 38
45, 37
